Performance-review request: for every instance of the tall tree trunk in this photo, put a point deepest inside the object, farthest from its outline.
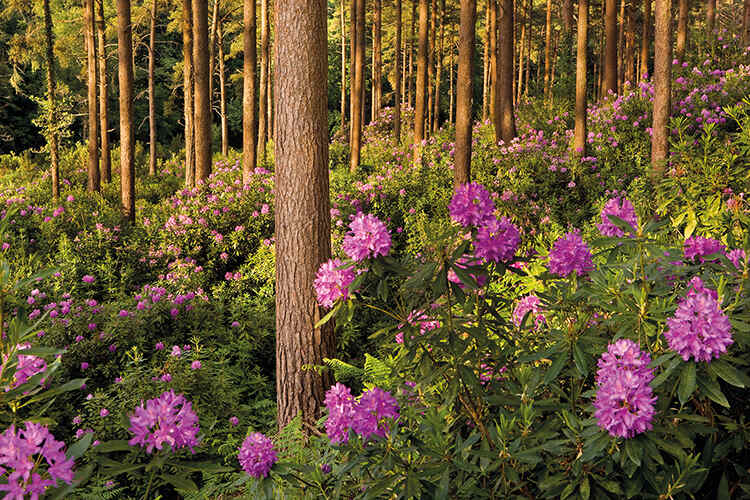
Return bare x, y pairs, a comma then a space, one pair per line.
462, 168
529, 38
547, 49
486, 92
404, 62
151, 96
343, 67
450, 83
521, 49
438, 69
662, 82
682, 28
202, 97
421, 87
745, 23
621, 46
189, 85
645, 39
430, 67
493, 73
411, 85
249, 91
566, 11
106, 160
263, 100
212, 51
377, 61
505, 78
125, 80
49, 42
302, 206
710, 21
269, 90
352, 51
222, 93
397, 88
359, 82
94, 179
610, 49
579, 139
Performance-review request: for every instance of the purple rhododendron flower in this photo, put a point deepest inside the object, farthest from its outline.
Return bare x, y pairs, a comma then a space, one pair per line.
497, 240
167, 419
738, 257
618, 207
368, 237
374, 406
699, 328
257, 455
27, 366
88, 279
471, 205
570, 253
340, 404
332, 283
462, 263
532, 304
697, 246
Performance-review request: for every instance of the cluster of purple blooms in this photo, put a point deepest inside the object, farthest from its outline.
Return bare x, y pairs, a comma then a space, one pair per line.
257, 455
699, 328
529, 304
570, 254
624, 400
698, 246
332, 282
367, 417
621, 208
22, 456
27, 366
417, 318
167, 419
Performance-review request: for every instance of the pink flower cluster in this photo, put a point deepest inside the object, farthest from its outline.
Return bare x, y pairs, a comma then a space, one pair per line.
332, 282
621, 208
529, 304
570, 254
368, 238
27, 366
367, 417
257, 455
697, 246
167, 419
471, 205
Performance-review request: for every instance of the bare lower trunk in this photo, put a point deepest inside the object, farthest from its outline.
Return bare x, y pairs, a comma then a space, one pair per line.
358, 92
430, 67
343, 67
493, 71
486, 84
94, 179
450, 85
710, 20
125, 80
682, 28
106, 160
505, 78
222, 94
249, 91
462, 168
202, 97
263, 100
662, 82
188, 83
421, 87
49, 42
151, 102
377, 61
397, 84
438, 70
610, 48
547, 48
579, 140
645, 38
212, 51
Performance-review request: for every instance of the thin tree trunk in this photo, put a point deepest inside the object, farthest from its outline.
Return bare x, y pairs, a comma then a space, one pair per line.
710, 21
430, 67
521, 50
188, 83
343, 67
579, 140
462, 168
397, 84
421, 87
125, 80
450, 83
486, 65
151, 96
377, 61
212, 51
529, 38
222, 93
621, 46
249, 90
202, 96
662, 82
547, 49
493, 73
682, 28
94, 179
51, 96
610, 48
269, 90
645, 39
352, 51
302, 207
556, 44
404, 62
263, 99
505, 78
106, 160
411, 85
438, 70
358, 92
745, 23
566, 7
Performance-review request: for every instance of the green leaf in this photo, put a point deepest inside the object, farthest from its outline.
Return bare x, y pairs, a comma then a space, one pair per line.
180, 482
579, 357
585, 488
633, 452
687, 382
711, 389
325, 319
727, 373
110, 446
722, 493
556, 368
77, 449
205, 467
662, 377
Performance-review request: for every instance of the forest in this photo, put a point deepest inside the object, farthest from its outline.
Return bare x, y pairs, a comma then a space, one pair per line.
374, 249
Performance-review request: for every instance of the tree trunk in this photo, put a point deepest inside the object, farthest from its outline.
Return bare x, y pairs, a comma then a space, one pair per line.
263, 100
745, 23
188, 83
94, 179
212, 52
249, 39
49, 42
125, 80
302, 207
358, 91
645, 39
404, 62
410, 87
106, 160
579, 140
343, 67
547, 48
222, 93
566, 8
529, 38
450, 83
421, 87
610, 50
682, 28
438, 70
397, 89
151, 97
521, 49
462, 168
269, 85
493, 73
486, 84
202, 97
505, 78
430, 67
662, 82
710, 21
352, 51
377, 61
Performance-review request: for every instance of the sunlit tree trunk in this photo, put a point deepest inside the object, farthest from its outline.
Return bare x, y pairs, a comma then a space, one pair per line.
421, 87
505, 78
493, 73
745, 23
212, 51
94, 179
397, 84
645, 39
710, 21
462, 168
343, 66
222, 93
486, 63
438, 69
249, 90
302, 207
359, 82
188, 79
579, 138
106, 160
125, 80
610, 49
430, 67
411, 84
49, 43
450, 83
548, 48
621, 46
682, 28
521, 49
151, 96
264, 77
377, 60
662, 82
202, 97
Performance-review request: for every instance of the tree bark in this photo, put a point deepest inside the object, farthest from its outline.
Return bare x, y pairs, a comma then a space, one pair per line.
645, 39
505, 78
249, 91
682, 29
94, 179
462, 168
493, 73
745, 23
188, 84
151, 97
125, 80
610, 48
430, 67
358, 91
222, 93
486, 84
411, 85
579, 139
212, 51
710, 21
397, 89
263, 100
421, 87
106, 160
202, 97
662, 82
450, 84
547, 49
438, 69
521, 49
343, 67
51, 97
353, 52
302, 206
377, 61
566, 7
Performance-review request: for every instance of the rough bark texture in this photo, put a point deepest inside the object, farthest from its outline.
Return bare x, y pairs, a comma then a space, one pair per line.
579, 139
263, 101
94, 179
547, 48
493, 69
302, 206
397, 89
462, 168
438, 69
410, 86
421, 87
188, 84
486, 94
106, 160
710, 20
505, 78
222, 93
49, 42
377, 60
151, 103
620, 61
125, 80
745, 23
343, 67
566, 8
645, 39
212, 37
662, 82
202, 97
249, 158
521, 51
610, 48
359, 82
450, 82
430, 67
682, 29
